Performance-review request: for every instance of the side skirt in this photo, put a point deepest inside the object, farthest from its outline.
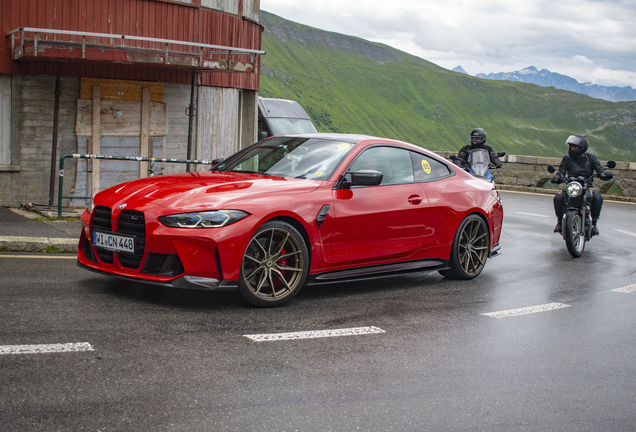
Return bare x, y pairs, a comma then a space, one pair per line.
373, 272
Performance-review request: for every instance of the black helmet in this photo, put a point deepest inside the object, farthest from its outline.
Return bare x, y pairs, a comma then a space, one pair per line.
477, 137
580, 141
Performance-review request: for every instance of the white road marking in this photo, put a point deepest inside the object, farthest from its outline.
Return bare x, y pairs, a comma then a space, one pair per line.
45, 349
357, 331
526, 310
626, 289
626, 232
532, 214
41, 256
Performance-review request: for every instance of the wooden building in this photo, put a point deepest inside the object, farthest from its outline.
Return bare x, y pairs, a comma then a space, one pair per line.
147, 78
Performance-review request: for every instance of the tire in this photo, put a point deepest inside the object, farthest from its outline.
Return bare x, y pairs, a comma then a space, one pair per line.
470, 249
574, 234
275, 265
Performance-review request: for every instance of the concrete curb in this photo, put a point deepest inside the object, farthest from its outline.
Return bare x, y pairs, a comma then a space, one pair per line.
37, 244
554, 191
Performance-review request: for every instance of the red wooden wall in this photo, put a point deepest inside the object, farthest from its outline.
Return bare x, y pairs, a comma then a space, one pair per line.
146, 18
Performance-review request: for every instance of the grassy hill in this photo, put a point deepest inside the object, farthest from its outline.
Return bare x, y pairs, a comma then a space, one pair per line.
350, 85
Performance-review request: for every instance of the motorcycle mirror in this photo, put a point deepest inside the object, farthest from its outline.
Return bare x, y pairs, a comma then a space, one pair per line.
551, 169
501, 154
611, 164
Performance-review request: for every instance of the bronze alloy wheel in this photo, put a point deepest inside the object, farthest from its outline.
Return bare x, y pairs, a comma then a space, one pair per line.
470, 249
275, 265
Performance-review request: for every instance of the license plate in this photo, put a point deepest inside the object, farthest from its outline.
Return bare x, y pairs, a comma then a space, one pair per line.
113, 242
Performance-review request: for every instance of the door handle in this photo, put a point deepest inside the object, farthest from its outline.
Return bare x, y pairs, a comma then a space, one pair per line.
415, 199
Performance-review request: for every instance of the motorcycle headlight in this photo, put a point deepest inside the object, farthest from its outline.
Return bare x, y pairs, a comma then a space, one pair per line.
574, 189
205, 219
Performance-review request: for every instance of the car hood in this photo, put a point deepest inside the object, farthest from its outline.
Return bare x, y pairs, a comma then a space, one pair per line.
201, 190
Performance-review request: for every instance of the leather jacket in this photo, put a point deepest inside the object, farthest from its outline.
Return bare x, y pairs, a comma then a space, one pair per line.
583, 166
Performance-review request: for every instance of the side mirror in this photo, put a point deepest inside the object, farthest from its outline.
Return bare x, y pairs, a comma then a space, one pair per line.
551, 169
215, 162
366, 178
262, 136
501, 154
611, 164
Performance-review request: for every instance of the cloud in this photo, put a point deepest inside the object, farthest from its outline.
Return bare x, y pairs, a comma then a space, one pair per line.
490, 35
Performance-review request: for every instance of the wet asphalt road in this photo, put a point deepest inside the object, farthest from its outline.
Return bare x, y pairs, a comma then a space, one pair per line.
178, 360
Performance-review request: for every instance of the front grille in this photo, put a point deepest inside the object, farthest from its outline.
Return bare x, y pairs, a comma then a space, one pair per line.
132, 222
101, 220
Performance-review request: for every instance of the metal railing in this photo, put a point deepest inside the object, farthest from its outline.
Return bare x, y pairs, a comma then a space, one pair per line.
151, 167
214, 49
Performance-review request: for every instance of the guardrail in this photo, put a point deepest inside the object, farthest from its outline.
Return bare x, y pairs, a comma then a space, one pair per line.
151, 167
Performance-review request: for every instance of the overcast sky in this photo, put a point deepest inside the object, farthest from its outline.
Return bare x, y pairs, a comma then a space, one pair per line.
589, 40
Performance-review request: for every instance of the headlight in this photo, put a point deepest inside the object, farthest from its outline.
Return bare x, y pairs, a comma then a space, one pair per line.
574, 189
206, 219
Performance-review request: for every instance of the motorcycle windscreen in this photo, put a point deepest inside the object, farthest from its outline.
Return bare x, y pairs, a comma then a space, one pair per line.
479, 160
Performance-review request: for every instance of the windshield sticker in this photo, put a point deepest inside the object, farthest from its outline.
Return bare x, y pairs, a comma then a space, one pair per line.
344, 146
319, 173
426, 166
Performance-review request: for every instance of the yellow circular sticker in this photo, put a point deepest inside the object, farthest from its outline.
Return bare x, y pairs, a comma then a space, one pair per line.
426, 166
344, 146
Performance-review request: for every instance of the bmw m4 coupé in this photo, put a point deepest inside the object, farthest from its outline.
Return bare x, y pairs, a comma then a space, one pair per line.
294, 210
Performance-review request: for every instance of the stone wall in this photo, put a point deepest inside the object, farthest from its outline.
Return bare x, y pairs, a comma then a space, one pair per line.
530, 173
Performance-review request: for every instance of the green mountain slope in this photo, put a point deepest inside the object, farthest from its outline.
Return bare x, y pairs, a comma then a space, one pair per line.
350, 85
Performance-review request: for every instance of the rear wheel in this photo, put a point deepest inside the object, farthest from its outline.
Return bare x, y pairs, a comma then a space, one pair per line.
470, 249
574, 233
275, 265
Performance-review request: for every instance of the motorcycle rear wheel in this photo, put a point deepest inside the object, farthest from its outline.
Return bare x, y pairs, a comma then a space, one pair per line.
574, 233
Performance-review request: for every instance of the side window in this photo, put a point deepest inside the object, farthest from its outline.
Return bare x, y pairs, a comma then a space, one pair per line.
428, 169
394, 163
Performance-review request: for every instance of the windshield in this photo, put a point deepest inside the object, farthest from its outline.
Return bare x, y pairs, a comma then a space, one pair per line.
280, 126
297, 157
479, 160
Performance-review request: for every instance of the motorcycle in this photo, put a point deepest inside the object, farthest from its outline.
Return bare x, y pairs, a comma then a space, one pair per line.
577, 218
478, 163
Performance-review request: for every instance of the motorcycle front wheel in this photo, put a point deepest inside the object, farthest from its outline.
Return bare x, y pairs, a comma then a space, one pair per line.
574, 233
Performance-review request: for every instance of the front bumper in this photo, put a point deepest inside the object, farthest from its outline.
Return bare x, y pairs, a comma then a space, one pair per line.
183, 282
495, 251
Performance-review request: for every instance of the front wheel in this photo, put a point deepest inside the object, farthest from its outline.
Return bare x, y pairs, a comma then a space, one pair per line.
275, 265
470, 249
574, 233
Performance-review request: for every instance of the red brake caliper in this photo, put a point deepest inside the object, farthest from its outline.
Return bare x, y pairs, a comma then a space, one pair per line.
282, 263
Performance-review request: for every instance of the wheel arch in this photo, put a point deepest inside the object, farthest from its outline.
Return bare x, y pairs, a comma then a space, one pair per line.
299, 226
491, 233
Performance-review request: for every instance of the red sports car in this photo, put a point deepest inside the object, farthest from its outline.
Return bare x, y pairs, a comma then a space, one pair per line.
294, 210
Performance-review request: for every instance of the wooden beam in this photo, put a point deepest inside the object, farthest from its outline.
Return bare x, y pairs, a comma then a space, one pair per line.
97, 138
145, 134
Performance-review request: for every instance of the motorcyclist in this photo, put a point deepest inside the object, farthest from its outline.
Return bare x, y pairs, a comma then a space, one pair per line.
579, 163
477, 140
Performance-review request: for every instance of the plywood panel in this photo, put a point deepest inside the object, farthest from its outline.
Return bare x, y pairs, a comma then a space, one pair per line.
217, 123
122, 90
121, 118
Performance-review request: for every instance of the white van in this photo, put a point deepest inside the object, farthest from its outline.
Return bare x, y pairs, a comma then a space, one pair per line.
281, 116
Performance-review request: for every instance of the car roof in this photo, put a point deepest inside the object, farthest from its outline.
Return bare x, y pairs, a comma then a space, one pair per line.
353, 138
